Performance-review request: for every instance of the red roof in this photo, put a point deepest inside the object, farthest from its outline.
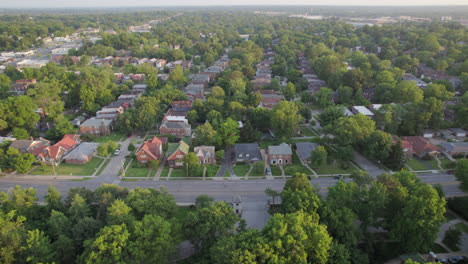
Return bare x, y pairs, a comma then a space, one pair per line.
152, 147
68, 142
420, 145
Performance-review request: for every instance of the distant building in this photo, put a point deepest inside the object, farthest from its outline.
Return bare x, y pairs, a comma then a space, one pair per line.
422, 147
178, 128
95, 126
359, 109
455, 148
458, 132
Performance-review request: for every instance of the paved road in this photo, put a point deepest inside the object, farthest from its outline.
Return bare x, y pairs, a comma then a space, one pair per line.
187, 190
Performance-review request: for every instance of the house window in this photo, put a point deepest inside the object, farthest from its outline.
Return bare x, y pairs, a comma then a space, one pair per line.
240, 155
247, 155
142, 156
286, 161
179, 156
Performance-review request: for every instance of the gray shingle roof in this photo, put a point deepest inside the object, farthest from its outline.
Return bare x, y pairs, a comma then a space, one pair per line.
83, 151
94, 122
305, 148
248, 148
281, 149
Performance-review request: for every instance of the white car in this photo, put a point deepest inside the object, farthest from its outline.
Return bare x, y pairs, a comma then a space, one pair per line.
117, 152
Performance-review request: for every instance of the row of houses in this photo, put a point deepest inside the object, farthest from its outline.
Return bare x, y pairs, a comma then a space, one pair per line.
314, 83
263, 75
69, 149
152, 150
199, 82
102, 123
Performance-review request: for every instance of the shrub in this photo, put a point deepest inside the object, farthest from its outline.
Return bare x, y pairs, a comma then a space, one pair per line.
459, 205
452, 238
131, 147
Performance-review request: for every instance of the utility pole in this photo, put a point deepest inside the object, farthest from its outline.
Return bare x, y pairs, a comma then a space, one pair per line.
53, 167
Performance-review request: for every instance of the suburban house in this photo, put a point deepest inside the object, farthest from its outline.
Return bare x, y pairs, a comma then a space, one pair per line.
21, 86
458, 132
34, 147
421, 146
150, 150
95, 126
82, 154
428, 133
53, 155
406, 146
247, 152
182, 106
280, 155
359, 109
455, 148
304, 150
206, 154
177, 127
195, 91
270, 102
176, 153
410, 77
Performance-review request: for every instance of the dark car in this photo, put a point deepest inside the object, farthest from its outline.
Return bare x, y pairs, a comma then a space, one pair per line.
457, 259
268, 172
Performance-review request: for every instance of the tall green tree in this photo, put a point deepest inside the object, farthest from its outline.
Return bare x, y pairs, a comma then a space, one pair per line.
109, 246
285, 118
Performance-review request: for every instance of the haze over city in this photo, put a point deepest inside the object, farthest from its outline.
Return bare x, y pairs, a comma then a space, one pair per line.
121, 3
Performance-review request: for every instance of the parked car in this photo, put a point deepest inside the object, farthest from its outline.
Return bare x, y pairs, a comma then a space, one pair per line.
339, 177
268, 172
117, 152
457, 259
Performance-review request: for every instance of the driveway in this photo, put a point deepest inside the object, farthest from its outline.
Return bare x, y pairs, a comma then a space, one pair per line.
367, 165
110, 173
227, 162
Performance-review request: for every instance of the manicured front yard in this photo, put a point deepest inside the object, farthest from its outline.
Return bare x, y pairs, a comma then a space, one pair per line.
165, 172
296, 167
241, 169
332, 169
211, 170
70, 169
444, 162
275, 171
114, 136
416, 164
135, 170
178, 172
306, 132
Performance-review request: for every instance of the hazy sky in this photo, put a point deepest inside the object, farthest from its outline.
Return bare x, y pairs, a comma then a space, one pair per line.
135, 3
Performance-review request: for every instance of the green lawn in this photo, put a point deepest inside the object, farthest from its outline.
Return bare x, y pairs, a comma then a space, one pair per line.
332, 169
103, 167
165, 172
275, 171
135, 170
296, 166
114, 136
212, 170
416, 164
445, 163
70, 169
307, 132
178, 172
241, 169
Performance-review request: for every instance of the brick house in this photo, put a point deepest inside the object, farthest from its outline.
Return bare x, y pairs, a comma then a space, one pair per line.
247, 152
206, 154
150, 150
279, 155
422, 147
34, 147
179, 129
270, 102
176, 153
53, 155
95, 126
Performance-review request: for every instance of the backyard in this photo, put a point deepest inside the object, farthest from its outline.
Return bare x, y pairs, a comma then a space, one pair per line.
87, 169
